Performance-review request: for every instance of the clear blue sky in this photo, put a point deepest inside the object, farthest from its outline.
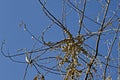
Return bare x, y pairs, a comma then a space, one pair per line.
12, 12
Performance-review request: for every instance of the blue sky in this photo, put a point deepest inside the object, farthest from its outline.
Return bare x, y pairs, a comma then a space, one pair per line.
12, 12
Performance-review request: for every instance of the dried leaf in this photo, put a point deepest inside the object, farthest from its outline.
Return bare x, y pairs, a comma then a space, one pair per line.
108, 78
42, 77
27, 58
35, 78
25, 27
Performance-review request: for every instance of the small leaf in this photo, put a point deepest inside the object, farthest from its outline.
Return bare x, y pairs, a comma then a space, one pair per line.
27, 58
108, 78
42, 77
109, 24
108, 1
35, 78
24, 27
